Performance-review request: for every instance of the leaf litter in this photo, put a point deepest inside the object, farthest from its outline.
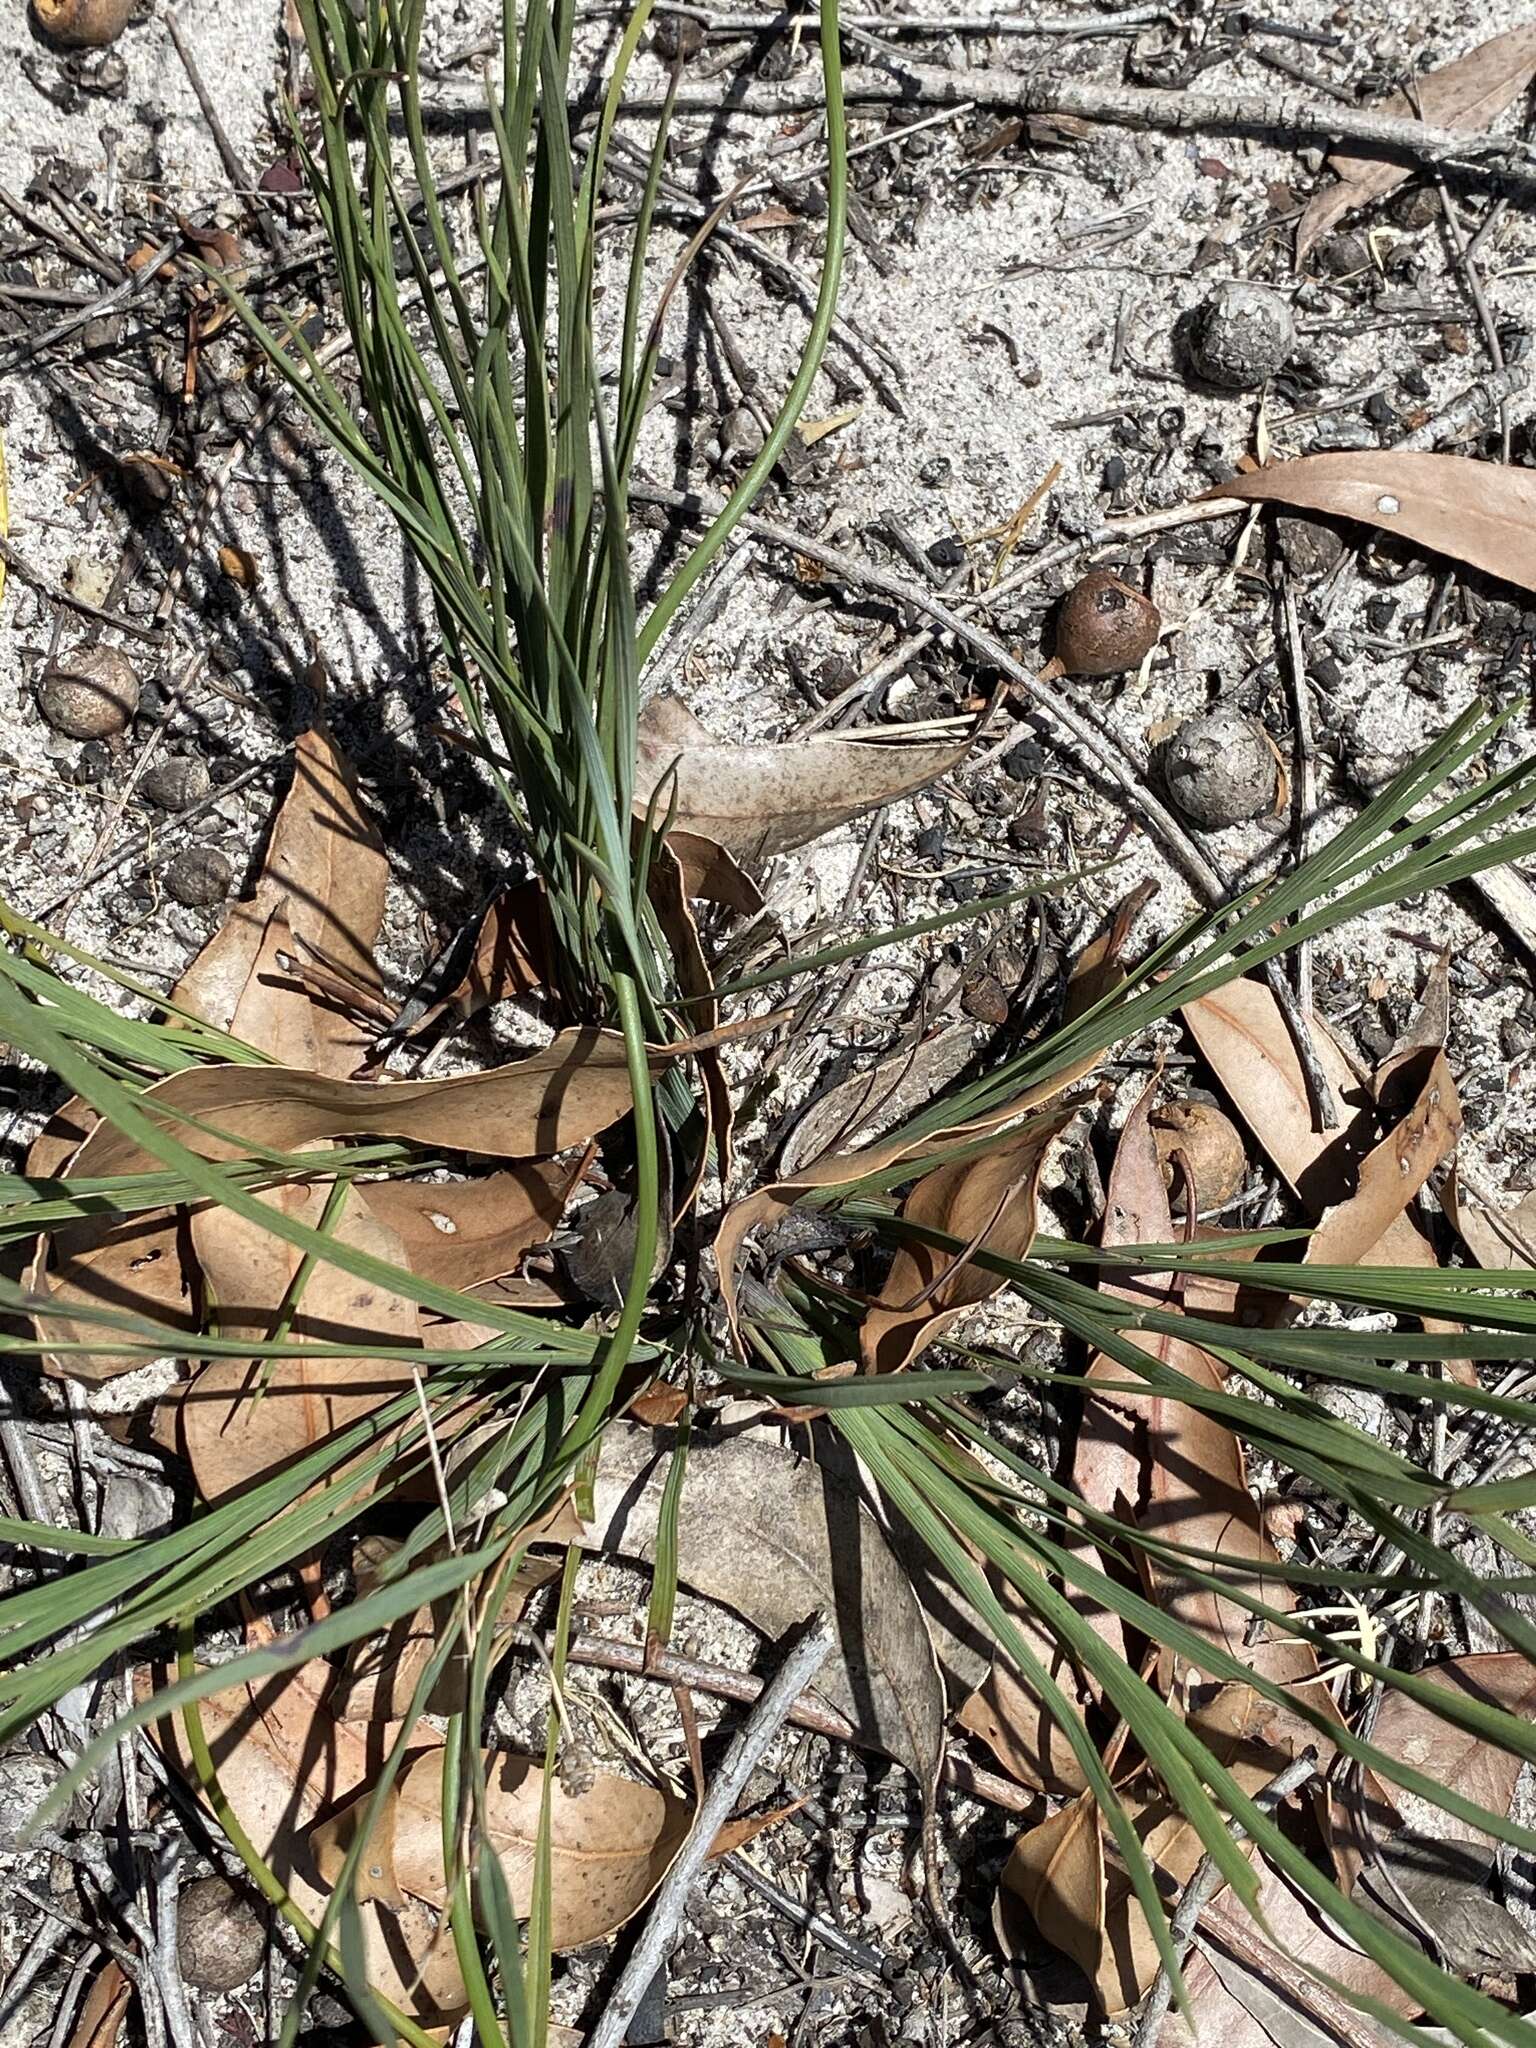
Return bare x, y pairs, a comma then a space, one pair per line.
291, 973
1178, 1475
1467, 95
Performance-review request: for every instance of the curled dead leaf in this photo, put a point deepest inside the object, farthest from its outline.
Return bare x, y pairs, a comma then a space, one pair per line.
530, 1108
988, 1201
325, 868
760, 798
283, 1760
239, 1418
379, 1673
1096, 973
461, 1233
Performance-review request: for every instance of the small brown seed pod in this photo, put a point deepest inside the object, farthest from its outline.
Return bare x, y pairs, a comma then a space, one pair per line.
1210, 1142
1105, 626
220, 1939
89, 693
82, 24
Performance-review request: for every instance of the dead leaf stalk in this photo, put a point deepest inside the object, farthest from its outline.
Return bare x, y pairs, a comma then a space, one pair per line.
1299, 118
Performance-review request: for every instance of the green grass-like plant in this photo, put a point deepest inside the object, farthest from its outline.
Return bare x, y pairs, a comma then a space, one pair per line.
488, 430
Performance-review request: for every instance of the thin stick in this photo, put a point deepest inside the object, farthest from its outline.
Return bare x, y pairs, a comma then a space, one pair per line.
55, 593
1479, 298
1296, 117
113, 301
764, 1722
803, 1916
670, 1667
1236, 1932
1198, 1893
1469, 408
1078, 27
229, 156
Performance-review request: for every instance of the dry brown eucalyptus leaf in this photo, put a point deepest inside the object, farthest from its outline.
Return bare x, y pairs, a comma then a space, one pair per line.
103, 2009
1178, 1474
1056, 1871
1468, 95
610, 1845
776, 1538
506, 957
1416, 1735
1083, 1903
1244, 1038
134, 1264
1414, 1881
1249, 1992
1480, 513
669, 892
988, 1201
1177, 1471
1006, 1712
710, 873
1499, 1239
1392, 1173
859, 1109
231, 1434
282, 1760
325, 867
460, 1233
761, 797
530, 1108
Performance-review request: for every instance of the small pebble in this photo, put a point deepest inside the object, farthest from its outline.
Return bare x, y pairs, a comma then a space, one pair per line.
1345, 255
220, 1938
93, 764
1221, 769
87, 579
1241, 336
90, 693
199, 876
176, 783
26, 1779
